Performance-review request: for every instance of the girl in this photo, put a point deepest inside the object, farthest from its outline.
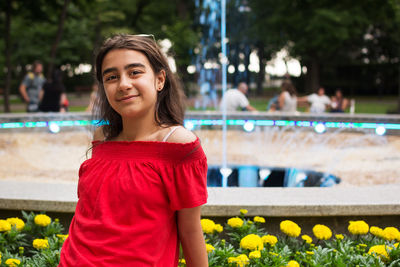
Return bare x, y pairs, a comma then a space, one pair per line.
140, 193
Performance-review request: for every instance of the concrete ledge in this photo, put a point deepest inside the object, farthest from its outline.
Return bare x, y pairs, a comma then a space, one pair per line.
308, 201
35, 196
380, 200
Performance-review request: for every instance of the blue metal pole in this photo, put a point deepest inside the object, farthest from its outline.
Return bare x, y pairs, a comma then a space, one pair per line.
224, 63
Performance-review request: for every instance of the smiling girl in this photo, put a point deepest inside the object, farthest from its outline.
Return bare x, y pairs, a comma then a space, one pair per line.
141, 191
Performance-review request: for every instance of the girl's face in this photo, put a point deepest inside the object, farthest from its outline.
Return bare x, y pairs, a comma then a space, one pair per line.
130, 84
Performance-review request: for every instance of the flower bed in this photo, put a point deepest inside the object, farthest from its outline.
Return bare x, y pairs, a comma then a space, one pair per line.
34, 241
245, 242
242, 241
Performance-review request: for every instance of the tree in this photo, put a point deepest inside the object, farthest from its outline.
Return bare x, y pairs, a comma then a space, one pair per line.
7, 56
58, 38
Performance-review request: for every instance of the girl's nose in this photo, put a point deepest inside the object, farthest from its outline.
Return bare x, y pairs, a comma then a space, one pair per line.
124, 82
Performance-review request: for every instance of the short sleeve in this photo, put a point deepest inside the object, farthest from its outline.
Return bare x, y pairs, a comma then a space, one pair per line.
26, 81
186, 182
243, 101
310, 98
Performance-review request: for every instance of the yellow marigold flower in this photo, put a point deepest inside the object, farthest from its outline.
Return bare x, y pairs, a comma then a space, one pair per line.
252, 242
13, 262
42, 220
62, 237
219, 228
293, 263
240, 260
322, 232
307, 238
17, 222
339, 237
259, 219
358, 228
250, 222
290, 228
232, 260
391, 233
209, 248
243, 211
269, 239
4, 226
376, 231
208, 226
255, 254
235, 222
183, 261
40, 243
379, 251
310, 252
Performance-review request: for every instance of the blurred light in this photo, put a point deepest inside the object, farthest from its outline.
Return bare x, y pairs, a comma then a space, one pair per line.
320, 128
191, 69
264, 173
231, 69
189, 125
301, 176
248, 126
241, 68
225, 171
54, 128
380, 130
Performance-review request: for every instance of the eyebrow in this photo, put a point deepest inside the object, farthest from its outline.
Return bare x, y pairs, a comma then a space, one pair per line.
133, 65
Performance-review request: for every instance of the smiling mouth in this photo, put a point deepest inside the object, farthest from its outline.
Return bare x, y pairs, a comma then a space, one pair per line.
127, 97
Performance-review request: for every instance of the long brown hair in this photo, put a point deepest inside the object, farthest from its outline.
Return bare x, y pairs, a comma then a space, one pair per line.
289, 87
170, 100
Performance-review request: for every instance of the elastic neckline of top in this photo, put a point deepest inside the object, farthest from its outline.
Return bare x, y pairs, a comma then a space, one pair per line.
143, 142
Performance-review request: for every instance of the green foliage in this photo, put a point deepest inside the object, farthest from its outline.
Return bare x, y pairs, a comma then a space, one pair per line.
88, 22
335, 252
18, 244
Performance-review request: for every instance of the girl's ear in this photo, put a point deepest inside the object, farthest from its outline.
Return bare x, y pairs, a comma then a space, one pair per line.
160, 80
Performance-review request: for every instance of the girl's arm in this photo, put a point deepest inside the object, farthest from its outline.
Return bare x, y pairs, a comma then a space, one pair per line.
281, 100
191, 237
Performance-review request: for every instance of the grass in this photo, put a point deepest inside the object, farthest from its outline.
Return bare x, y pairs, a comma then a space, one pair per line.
371, 105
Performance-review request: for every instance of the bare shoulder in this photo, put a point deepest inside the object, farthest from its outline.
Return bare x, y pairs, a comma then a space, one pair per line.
181, 135
98, 134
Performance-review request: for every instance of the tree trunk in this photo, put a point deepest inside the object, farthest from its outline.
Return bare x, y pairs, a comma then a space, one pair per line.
261, 74
312, 76
235, 56
247, 52
139, 10
7, 40
398, 98
58, 38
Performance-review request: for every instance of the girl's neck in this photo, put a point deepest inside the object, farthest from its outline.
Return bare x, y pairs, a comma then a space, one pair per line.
139, 130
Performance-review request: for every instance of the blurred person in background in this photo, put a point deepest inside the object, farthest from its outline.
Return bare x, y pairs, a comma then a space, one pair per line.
338, 102
53, 96
319, 102
235, 99
31, 87
287, 98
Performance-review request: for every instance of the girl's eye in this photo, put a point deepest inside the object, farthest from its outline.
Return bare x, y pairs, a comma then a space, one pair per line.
135, 72
110, 77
